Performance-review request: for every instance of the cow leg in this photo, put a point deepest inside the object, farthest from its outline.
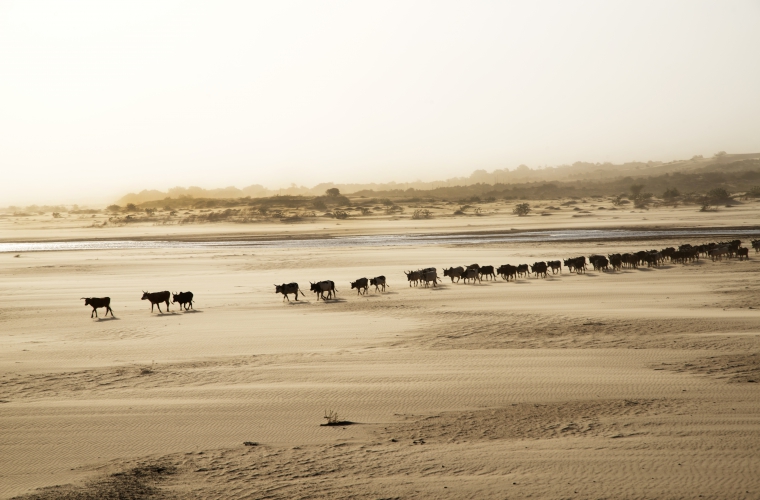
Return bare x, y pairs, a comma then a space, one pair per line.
108, 309
167, 306
158, 304
94, 311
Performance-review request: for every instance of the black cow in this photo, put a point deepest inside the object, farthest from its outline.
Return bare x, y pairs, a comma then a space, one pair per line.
184, 298
539, 268
378, 281
616, 260
454, 272
324, 286
156, 298
471, 274
97, 303
600, 262
360, 284
522, 269
413, 277
429, 274
742, 252
506, 270
577, 264
487, 271
756, 245
555, 265
287, 288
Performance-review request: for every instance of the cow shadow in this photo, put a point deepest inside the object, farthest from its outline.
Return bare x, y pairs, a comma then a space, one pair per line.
112, 318
164, 314
296, 302
192, 311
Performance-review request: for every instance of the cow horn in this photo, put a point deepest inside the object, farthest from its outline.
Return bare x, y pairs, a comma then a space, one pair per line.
82, 298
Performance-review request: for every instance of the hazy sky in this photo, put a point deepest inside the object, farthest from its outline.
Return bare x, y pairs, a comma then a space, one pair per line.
100, 98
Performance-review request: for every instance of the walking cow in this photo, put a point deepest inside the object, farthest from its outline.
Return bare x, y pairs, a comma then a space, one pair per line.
324, 286
156, 298
506, 271
184, 298
486, 271
361, 285
97, 303
454, 272
413, 277
377, 282
288, 288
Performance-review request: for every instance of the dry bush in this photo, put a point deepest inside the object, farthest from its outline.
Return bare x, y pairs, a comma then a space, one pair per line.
521, 209
340, 214
422, 214
333, 419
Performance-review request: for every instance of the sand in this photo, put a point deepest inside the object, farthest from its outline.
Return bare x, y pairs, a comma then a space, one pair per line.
635, 384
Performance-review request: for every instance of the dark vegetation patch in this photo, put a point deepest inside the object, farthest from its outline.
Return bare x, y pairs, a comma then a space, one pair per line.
733, 368
139, 483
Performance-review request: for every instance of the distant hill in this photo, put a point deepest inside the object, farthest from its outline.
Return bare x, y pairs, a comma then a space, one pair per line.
579, 171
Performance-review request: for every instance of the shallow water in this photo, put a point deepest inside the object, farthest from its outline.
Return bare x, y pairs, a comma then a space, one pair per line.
384, 240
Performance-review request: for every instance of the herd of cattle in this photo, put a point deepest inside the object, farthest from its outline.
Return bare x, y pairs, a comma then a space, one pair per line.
474, 272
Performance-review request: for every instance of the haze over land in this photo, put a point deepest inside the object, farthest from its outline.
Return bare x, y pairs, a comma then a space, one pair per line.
104, 98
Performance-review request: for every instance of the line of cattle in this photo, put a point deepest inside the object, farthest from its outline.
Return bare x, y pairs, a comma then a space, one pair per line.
474, 272
184, 299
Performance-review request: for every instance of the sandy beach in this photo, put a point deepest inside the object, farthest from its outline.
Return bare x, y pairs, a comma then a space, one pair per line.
641, 383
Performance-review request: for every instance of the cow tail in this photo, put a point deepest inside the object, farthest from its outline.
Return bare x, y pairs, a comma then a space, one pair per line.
302, 294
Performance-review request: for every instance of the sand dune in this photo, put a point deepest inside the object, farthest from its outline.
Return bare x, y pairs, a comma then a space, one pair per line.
632, 384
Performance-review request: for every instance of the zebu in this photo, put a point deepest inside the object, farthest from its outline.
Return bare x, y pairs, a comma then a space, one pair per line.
361, 285
539, 268
324, 286
522, 270
506, 270
471, 275
378, 281
183, 298
98, 302
429, 275
413, 277
487, 271
157, 298
454, 272
288, 288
